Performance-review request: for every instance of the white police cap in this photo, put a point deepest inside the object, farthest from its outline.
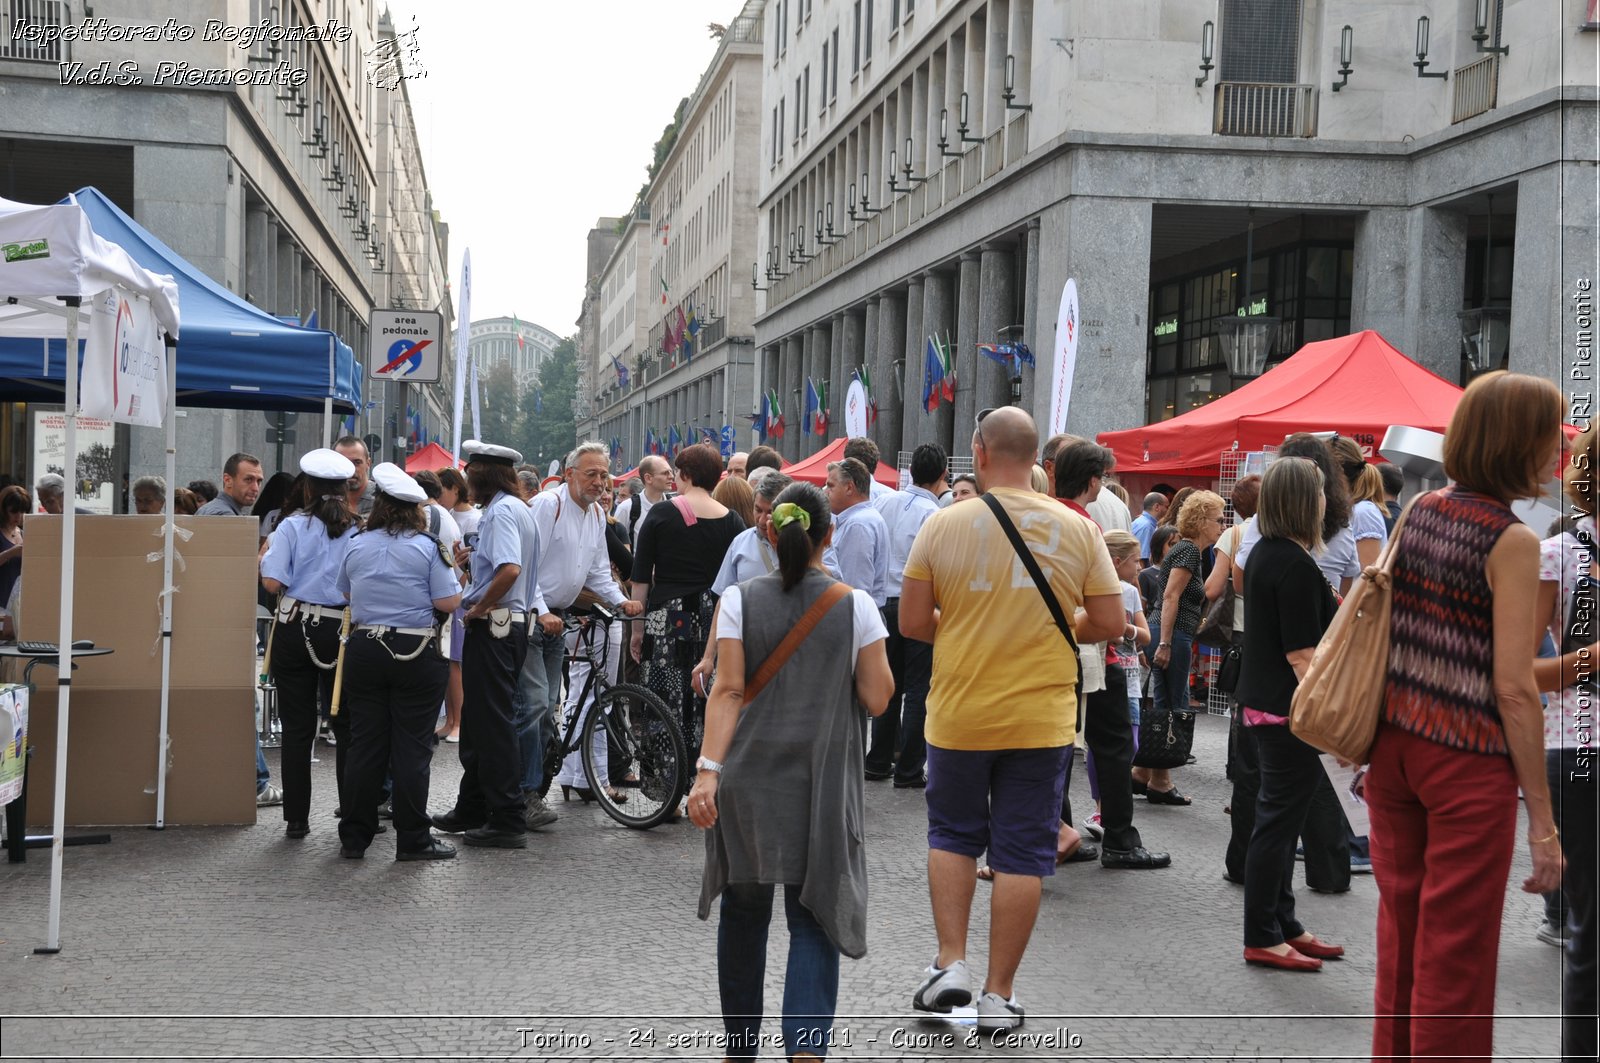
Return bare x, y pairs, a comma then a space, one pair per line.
477, 450
325, 464
393, 481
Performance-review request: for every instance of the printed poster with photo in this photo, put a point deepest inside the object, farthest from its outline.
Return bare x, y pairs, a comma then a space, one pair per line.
97, 466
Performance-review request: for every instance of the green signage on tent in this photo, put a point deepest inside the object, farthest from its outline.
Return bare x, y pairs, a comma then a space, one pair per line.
25, 251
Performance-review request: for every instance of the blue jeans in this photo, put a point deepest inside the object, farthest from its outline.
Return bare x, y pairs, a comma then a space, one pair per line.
810, 985
263, 776
533, 706
1170, 685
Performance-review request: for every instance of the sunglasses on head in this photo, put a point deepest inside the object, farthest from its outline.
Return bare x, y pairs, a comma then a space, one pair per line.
978, 423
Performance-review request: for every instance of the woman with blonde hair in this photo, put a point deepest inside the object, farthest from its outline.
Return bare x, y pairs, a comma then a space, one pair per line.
1176, 615
1449, 757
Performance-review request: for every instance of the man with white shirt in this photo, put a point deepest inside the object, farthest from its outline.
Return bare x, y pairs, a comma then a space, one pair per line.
910, 660
572, 557
859, 553
1105, 509
657, 477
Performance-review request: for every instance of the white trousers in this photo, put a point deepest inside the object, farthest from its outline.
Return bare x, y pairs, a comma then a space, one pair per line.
572, 773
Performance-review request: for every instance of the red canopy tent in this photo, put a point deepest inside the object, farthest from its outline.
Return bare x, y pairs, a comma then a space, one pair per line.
815, 468
432, 456
1356, 385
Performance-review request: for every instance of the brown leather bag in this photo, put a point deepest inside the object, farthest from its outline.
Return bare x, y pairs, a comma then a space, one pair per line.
1337, 705
791, 642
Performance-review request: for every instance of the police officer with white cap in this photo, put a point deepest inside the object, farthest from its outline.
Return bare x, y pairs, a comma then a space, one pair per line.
504, 566
400, 584
302, 563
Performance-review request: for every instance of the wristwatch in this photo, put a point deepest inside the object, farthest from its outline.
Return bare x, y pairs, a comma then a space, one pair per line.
707, 764
1161, 644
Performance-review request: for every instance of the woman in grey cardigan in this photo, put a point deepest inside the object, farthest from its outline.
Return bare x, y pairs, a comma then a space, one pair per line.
786, 765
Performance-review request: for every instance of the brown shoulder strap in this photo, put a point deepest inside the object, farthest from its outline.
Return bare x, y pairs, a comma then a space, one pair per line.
793, 639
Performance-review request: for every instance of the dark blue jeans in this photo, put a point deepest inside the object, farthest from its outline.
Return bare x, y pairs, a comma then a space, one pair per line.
1170, 685
810, 985
533, 706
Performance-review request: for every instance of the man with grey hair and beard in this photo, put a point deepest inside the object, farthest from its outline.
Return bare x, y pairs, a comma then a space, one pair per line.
572, 558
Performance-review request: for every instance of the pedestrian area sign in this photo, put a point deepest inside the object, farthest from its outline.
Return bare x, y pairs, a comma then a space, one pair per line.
405, 345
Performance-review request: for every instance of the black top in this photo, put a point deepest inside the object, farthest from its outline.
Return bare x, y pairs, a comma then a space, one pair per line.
1192, 602
1150, 588
617, 548
677, 560
1289, 605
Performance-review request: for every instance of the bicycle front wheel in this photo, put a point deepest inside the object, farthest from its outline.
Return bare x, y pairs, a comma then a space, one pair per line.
640, 729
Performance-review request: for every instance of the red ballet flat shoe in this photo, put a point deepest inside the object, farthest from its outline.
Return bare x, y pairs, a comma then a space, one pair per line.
1289, 961
1311, 946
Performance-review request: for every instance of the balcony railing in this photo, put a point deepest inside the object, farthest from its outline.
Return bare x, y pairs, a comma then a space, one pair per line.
1251, 109
43, 17
1476, 87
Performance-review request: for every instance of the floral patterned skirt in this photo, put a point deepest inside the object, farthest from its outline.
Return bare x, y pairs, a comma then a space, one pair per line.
674, 639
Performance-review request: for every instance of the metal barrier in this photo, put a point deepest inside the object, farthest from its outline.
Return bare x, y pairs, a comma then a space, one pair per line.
34, 15
1252, 109
1477, 85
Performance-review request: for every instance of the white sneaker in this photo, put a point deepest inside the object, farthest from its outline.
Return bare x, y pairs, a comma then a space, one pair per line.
944, 988
269, 796
1092, 827
996, 1013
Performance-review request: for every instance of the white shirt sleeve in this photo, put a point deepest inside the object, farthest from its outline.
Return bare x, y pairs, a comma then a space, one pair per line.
1247, 541
867, 622
1366, 521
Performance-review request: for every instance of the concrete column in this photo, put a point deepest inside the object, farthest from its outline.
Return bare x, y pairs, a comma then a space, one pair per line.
870, 342
1407, 280
855, 341
257, 259
838, 377
1555, 239
891, 358
967, 371
914, 429
936, 321
818, 365
997, 300
791, 394
286, 299
1042, 351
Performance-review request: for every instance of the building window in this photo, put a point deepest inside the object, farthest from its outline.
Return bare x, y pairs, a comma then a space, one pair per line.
805, 99
799, 109
855, 52
866, 40
833, 84
894, 15
822, 79
775, 128
1260, 41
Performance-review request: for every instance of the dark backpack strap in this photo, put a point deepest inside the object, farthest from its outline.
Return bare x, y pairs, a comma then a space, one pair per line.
1049, 596
635, 504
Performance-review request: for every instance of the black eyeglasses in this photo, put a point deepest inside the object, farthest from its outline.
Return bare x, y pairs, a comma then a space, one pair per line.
978, 424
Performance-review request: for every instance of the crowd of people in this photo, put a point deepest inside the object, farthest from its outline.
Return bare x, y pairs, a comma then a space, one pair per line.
811, 640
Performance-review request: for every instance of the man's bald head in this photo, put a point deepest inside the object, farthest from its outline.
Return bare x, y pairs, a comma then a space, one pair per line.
1009, 437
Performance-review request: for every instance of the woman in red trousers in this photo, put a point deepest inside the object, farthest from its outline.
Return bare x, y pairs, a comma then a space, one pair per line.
1461, 728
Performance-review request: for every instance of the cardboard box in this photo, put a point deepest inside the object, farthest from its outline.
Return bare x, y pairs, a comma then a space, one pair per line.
111, 757
115, 722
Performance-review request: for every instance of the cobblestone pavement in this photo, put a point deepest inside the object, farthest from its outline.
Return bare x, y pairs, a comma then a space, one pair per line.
235, 942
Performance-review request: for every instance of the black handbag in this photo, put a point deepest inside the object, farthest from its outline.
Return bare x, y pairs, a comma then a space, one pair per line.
1165, 738
1216, 627
1229, 668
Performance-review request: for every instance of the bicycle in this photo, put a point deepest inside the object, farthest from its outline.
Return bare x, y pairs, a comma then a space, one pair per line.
636, 724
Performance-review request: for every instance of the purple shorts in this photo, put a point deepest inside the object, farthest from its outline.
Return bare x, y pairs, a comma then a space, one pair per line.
1007, 801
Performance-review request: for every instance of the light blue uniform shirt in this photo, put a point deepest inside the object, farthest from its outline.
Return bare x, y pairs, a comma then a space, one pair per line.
506, 536
905, 516
392, 580
302, 558
859, 554
748, 556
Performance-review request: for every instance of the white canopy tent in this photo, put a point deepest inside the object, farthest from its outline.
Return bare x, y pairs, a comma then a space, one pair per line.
52, 265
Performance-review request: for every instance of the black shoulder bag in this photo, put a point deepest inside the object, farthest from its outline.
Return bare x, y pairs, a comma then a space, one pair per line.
1049, 596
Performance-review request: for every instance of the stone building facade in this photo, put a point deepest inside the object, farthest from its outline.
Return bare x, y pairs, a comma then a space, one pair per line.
943, 168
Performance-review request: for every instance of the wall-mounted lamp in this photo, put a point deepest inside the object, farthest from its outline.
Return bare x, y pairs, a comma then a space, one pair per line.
893, 166
866, 205
755, 278
912, 180
1011, 84
825, 238
850, 202
1422, 51
944, 135
1208, 41
830, 222
1346, 49
1480, 32
962, 126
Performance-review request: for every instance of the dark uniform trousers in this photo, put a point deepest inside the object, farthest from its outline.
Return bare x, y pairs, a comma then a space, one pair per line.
300, 685
491, 757
897, 738
1325, 834
392, 707
1108, 732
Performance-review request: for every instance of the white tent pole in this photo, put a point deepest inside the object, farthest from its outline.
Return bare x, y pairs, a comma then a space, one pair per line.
64, 660
327, 402
166, 584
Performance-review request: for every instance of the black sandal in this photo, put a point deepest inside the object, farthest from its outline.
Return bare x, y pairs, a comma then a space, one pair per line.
1167, 797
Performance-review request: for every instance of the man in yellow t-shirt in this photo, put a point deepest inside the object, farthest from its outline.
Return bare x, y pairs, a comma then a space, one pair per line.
1001, 710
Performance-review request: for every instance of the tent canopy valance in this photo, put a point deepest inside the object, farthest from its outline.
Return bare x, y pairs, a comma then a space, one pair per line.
432, 456
233, 355
1356, 385
814, 469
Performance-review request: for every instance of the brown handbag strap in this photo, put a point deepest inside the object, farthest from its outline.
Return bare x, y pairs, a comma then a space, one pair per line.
793, 639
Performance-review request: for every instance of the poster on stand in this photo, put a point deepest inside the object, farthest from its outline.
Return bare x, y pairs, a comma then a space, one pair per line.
1065, 362
97, 466
855, 410
13, 741
124, 362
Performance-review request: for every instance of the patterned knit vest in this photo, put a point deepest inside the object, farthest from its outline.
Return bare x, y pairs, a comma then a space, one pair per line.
1441, 630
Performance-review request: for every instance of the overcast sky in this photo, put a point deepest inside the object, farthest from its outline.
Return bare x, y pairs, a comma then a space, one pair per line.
538, 117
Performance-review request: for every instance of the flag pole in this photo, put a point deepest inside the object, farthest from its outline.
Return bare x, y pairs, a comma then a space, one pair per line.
463, 333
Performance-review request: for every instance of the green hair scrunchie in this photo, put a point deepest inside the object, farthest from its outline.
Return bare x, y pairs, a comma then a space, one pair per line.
787, 513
